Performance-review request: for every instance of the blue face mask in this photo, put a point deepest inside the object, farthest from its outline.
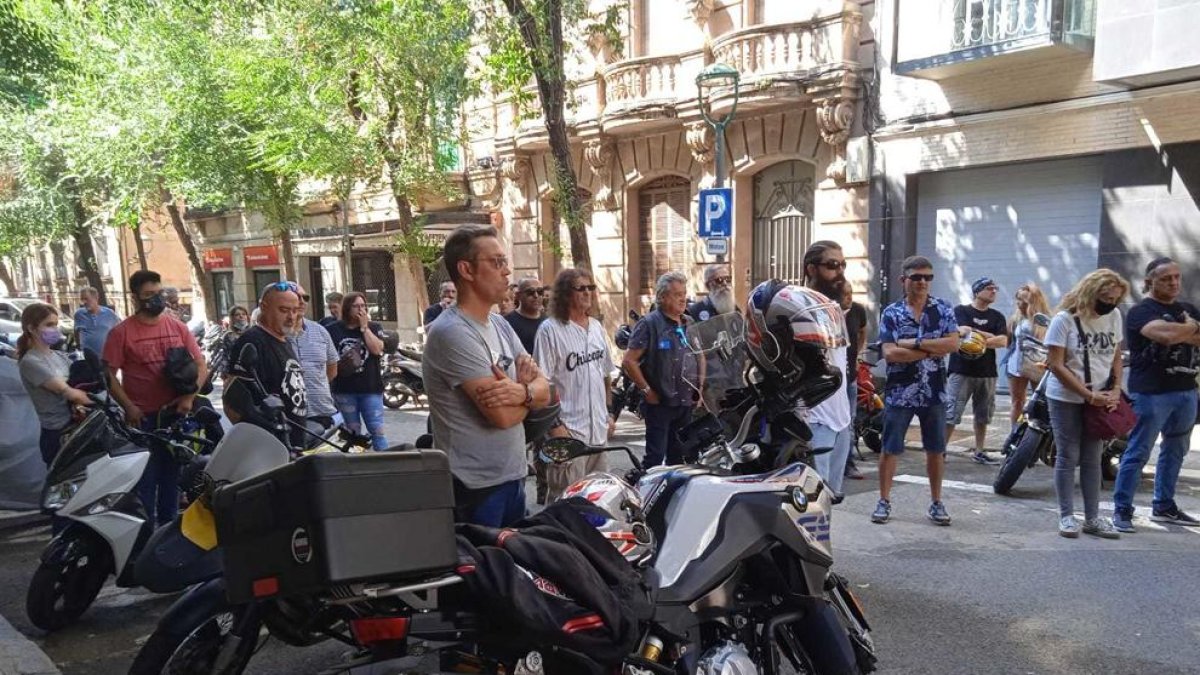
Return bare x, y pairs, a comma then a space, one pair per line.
51, 336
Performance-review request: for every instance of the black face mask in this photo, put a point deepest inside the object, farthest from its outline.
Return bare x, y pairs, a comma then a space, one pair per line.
154, 305
1103, 308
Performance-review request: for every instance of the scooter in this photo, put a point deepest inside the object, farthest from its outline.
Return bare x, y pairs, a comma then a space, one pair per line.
91, 485
868, 413
402, 379
626, 396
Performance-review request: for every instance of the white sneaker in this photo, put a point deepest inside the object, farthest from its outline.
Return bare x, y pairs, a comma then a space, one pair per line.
1068, 527
1100, 527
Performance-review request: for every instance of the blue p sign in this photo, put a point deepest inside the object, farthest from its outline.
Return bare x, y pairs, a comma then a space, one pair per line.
716, 212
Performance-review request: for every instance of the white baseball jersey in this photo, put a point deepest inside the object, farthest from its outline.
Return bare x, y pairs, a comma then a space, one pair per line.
577, 361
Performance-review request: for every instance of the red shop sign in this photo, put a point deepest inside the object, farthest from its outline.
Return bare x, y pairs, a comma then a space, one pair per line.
261, 256
216, 258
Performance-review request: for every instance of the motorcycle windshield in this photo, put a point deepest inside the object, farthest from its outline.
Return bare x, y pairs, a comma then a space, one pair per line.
245, 451
719, 344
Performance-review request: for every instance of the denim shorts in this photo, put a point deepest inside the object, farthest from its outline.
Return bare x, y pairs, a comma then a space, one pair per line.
933, 428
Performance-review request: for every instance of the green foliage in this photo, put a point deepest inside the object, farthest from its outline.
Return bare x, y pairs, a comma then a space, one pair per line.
416, 244
29, 55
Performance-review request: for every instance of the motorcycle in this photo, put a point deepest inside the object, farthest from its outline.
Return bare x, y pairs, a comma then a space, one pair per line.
215, 344
868, 411
1033, 437
402, 378
626, 396
741, 574
91, 485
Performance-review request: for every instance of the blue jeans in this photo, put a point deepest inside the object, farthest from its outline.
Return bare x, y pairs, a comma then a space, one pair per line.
502, 507
663, 423
1171, 414
159, 488
370, 408
933, 428
1074, 448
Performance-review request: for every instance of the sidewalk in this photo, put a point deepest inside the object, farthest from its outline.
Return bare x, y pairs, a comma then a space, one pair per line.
20, 656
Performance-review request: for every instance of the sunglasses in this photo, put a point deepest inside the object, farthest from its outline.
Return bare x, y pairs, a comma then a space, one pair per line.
499, 262
535, 291
721, 281
584, 287
832, 265
285, 286
919, 277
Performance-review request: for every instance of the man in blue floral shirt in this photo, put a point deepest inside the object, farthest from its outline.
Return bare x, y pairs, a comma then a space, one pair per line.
916, 332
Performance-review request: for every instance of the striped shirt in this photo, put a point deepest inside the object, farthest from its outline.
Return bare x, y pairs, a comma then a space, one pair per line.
315, 349
576, 360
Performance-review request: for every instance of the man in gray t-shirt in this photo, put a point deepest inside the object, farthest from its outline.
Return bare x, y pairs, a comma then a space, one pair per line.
481, 384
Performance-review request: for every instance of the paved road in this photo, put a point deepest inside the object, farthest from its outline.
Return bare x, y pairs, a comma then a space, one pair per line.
997, 592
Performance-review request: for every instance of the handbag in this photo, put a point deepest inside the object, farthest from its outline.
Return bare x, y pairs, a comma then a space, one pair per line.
1030, 367
1102, 423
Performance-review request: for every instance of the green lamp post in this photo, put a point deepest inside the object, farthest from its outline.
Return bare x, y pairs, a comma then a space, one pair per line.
717, 76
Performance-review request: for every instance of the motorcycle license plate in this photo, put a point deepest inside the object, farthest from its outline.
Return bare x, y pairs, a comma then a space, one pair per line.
199, 527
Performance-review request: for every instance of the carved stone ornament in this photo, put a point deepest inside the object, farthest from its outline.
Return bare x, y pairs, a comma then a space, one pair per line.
485, 184
834, 118
599, 154
699, 10
700, 139
516, 169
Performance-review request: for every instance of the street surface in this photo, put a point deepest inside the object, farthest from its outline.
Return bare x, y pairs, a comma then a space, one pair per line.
997, 592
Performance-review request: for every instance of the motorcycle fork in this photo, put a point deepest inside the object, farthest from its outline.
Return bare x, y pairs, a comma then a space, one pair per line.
247, 622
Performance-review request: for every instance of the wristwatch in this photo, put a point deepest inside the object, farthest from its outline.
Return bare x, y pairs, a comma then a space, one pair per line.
917, 344
528, 397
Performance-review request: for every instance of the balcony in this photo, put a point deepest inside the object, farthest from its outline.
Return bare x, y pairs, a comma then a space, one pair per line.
791, 58
944, 38
649, 88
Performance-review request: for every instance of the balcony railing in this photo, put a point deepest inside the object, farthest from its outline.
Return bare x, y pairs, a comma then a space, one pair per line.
647, 80
934, 33
771, 49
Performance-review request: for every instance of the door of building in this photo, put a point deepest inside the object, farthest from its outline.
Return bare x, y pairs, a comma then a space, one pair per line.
1038, 222
783, 211
262, 279
316, 289
222, 285
375, 278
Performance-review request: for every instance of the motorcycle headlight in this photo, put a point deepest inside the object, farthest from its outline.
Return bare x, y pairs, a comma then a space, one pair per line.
103, 504
59, 494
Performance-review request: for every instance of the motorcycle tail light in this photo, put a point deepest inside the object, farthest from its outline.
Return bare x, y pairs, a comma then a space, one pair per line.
379, 629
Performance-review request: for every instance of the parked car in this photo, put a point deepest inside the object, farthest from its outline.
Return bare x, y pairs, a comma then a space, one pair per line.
11, 308
10, 331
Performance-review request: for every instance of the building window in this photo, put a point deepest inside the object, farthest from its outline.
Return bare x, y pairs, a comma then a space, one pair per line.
664, 229
374, 278
989, 22
222, 285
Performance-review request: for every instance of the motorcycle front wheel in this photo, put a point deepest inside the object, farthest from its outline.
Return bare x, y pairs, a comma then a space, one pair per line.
1018, 458
1110, 461
59, 593
394, 395
190, 643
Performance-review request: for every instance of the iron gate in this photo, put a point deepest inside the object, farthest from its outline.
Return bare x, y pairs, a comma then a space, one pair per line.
779, 245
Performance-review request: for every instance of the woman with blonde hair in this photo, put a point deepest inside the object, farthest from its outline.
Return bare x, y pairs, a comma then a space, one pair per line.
1087, 329
1030, 302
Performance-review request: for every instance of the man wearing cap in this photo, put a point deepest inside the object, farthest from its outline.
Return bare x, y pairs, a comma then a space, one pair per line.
974, 379
1163, 336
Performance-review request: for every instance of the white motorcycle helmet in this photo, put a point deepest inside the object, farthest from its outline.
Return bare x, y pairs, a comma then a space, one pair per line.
625, 528
790, 330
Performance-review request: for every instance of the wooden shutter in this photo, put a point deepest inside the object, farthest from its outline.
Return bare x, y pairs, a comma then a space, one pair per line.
664, 229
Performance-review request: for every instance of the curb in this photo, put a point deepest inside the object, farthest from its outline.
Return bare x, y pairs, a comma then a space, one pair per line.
20, 656
13, 520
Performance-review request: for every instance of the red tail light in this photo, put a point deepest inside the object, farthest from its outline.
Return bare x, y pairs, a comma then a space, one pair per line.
369, 631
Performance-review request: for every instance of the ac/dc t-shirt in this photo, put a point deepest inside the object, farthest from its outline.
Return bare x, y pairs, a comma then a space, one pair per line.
1157, 368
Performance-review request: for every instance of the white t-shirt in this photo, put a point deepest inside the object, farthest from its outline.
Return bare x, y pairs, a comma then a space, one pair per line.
834, 412
1103, 334
576, 360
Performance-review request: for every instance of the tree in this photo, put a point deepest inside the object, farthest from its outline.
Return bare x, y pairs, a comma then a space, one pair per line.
538, 53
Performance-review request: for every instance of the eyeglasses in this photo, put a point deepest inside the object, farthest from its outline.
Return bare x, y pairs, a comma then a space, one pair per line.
499, 262
720, 281
919, 277
833, 265
535, 291
584, 287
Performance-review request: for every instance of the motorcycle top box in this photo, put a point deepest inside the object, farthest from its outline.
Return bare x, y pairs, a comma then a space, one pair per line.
332, 518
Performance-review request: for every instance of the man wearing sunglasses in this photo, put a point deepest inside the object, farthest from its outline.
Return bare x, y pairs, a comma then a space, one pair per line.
482, 384
720, 298
975, 379
527, 317
916, 332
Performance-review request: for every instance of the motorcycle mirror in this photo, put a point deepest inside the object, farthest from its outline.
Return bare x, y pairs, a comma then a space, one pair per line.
1041, 319
248, 357
563, 450
207, 416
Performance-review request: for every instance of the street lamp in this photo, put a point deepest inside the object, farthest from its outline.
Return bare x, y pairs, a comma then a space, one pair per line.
709, 81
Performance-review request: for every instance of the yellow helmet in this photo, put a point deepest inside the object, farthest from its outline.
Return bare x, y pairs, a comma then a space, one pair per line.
973, 346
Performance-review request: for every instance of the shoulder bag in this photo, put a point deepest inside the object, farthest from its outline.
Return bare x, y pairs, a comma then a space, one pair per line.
1103, 423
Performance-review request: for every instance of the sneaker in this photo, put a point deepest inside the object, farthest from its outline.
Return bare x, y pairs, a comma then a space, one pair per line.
883, 511
1068, 527
937, 513
1123, 521
1173, 515
1100, 527
983, 458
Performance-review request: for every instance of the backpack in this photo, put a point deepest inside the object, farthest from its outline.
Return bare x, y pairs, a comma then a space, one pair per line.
181, 370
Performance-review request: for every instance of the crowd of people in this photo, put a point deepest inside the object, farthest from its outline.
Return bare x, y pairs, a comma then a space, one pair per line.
502, 356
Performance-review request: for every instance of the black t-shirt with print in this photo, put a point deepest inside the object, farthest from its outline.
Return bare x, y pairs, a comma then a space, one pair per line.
366, 378
988, 321
525, 328
277, 369
1157, 368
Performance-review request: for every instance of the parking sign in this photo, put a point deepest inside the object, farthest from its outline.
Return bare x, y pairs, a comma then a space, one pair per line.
716, 212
